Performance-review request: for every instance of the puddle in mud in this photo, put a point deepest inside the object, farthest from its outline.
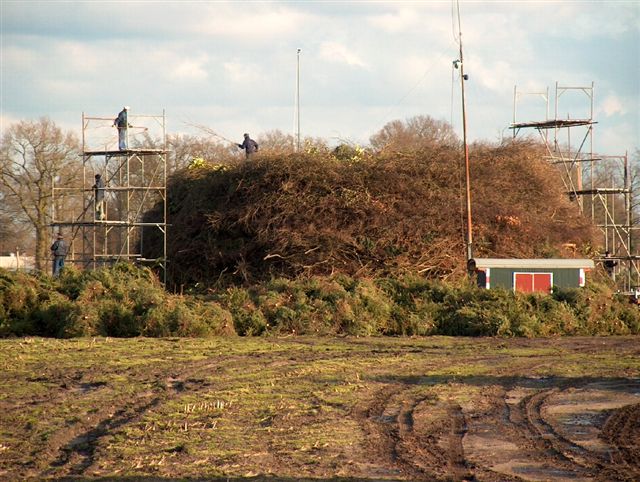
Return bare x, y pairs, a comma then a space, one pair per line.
539, 472
507, 442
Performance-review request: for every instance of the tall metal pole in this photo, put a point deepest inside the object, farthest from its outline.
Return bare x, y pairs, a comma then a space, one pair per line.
165, 198
464, 77
298, 101
627, 208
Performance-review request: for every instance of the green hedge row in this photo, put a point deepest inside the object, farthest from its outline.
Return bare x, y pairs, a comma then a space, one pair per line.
125, 301
415, 306
122, 301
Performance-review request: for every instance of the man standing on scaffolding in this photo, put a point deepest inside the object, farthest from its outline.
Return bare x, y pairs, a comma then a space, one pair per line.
122, 124
98, 196
609, 265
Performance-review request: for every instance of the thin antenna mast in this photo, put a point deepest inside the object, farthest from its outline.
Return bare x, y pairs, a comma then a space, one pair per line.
297, 116
463, 78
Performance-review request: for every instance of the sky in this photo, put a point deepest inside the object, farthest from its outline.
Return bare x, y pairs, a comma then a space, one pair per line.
233, 67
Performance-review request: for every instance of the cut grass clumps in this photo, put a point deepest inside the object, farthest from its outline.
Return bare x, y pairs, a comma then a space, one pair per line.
430, 307
21, 296
122, 301
321, 306
187, 318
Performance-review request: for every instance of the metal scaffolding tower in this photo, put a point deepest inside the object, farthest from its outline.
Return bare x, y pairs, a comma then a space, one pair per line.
135, 197
600, 185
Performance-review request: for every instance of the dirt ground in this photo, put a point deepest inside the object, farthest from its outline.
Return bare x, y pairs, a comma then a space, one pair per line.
439, 409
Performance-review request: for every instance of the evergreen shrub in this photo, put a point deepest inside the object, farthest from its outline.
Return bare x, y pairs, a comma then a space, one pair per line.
128, 302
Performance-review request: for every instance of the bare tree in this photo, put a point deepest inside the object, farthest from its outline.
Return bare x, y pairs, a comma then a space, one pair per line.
14, 229
276, 142
634, 173
32, 156
184, 148
414, 134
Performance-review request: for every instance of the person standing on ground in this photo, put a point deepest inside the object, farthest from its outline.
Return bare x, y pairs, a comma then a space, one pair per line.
249, 145
98, 196
122, 124
59, 251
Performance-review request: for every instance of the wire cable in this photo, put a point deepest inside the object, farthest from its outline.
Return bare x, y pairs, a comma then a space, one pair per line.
453, 22
428, 70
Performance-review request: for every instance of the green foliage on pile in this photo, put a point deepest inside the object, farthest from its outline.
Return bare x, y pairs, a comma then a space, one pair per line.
125, 301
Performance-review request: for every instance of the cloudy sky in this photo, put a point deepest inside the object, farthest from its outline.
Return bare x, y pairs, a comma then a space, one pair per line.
231, 66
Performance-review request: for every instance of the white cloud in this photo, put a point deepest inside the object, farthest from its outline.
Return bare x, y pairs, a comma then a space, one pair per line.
385, 60
495, 75
190, 69
249, 21
336, 52
614, 140
82, 58
399, 21
612, 105
241, 73
18, 57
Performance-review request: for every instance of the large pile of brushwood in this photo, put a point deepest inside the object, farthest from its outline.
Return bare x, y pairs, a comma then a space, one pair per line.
363, 214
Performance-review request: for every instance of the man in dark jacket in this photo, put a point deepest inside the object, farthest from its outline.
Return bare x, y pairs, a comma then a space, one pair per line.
249, 145
59, 251
98, 196
122, 124
609, 264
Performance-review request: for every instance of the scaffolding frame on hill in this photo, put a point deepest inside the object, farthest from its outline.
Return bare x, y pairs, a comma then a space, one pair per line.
609, 206
135, 195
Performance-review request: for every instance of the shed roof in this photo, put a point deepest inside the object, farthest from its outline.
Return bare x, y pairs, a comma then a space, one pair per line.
549, 263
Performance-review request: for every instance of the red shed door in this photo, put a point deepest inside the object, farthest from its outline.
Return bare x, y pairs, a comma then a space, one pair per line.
532, 282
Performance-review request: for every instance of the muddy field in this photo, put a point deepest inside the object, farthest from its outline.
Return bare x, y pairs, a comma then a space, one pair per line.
320, 409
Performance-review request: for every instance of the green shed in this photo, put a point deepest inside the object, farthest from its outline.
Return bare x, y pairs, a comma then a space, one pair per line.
530, 275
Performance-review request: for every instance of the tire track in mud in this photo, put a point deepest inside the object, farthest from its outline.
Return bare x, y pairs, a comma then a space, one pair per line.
538, 433
405, 442
512, 439
622, 432
380, 437
72, 449
78, 454
408, 434
550, 441
458, 465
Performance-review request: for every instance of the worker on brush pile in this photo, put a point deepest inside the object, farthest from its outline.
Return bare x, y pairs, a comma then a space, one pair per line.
249, 145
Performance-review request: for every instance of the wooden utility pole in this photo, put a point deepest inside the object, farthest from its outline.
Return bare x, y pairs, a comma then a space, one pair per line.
298, 101
463, 78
